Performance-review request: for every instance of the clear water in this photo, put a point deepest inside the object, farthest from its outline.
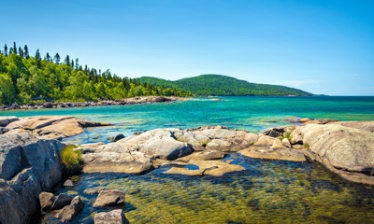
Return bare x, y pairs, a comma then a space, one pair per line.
266, 192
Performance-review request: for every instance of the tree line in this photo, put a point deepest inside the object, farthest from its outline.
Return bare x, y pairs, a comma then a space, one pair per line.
24, 78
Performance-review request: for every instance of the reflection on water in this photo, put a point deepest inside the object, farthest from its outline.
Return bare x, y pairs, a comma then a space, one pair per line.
267, 192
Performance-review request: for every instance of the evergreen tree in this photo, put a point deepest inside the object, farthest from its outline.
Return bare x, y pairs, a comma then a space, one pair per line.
48, 57
77, 64
26, 52
20, 52
38, 58
14, 47
67, 60
57, 58
6, 50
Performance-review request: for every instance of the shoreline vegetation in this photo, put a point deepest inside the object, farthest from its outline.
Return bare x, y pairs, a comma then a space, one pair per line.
25, 78
126, 101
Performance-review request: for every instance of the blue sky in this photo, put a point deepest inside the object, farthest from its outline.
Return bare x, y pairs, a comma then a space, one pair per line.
321, 46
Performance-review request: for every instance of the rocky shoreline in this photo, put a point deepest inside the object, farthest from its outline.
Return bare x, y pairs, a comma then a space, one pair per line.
30, 162
127, 101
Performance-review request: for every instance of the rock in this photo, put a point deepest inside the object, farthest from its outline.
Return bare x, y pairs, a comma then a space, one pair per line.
203, 155
19, 197
116, 138
68, 183
216, 138
3, 130
46, 200
209, 167
53, 127
286, 143
272, 148
67, 213
113, 217
109, 197
29, 166
344, 150
61, 201
166, 148
274, 132
19, 151
94, 190
362, 125
4, 121
116, 158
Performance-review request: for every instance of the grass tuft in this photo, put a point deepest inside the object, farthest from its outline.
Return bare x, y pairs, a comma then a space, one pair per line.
71, 159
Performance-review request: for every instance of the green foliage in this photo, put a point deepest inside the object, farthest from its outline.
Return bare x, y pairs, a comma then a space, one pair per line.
286, 135
306, 145
71, 159
219, 85
23, 78
204, 143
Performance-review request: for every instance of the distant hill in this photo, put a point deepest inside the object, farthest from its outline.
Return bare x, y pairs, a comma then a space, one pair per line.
219, 85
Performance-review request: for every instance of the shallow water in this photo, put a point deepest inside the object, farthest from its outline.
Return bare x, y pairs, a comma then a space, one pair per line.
266, 192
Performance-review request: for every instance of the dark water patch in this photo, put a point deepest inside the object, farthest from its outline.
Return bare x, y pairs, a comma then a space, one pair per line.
318, 185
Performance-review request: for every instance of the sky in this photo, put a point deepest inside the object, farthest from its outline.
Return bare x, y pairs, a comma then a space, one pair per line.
320, 46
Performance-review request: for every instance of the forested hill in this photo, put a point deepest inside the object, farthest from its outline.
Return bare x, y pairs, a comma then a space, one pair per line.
24, 77
219, 85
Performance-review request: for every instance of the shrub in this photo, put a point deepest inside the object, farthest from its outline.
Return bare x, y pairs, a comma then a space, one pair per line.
204, 143
286, 135
71, 159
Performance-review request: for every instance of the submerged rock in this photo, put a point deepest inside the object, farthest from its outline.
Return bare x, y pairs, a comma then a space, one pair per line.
113, 217
109, 197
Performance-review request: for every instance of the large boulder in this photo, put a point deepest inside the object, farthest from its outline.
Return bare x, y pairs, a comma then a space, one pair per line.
19, 197
19, 151
113, 217
344, 150
28, 166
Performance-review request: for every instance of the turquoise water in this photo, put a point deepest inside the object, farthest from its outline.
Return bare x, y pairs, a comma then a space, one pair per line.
266, 192
248, 113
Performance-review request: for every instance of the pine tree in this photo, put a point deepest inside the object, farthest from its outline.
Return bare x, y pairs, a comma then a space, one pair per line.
57, 58
47, 57
26, 52
14, 47
20, 52
67, 60
38, 59
6, 50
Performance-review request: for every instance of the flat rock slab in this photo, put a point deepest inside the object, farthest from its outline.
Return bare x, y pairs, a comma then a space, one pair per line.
273, 149
52, 127
206, 168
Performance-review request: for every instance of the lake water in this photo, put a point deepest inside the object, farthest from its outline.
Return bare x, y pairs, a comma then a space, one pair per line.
266, 192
